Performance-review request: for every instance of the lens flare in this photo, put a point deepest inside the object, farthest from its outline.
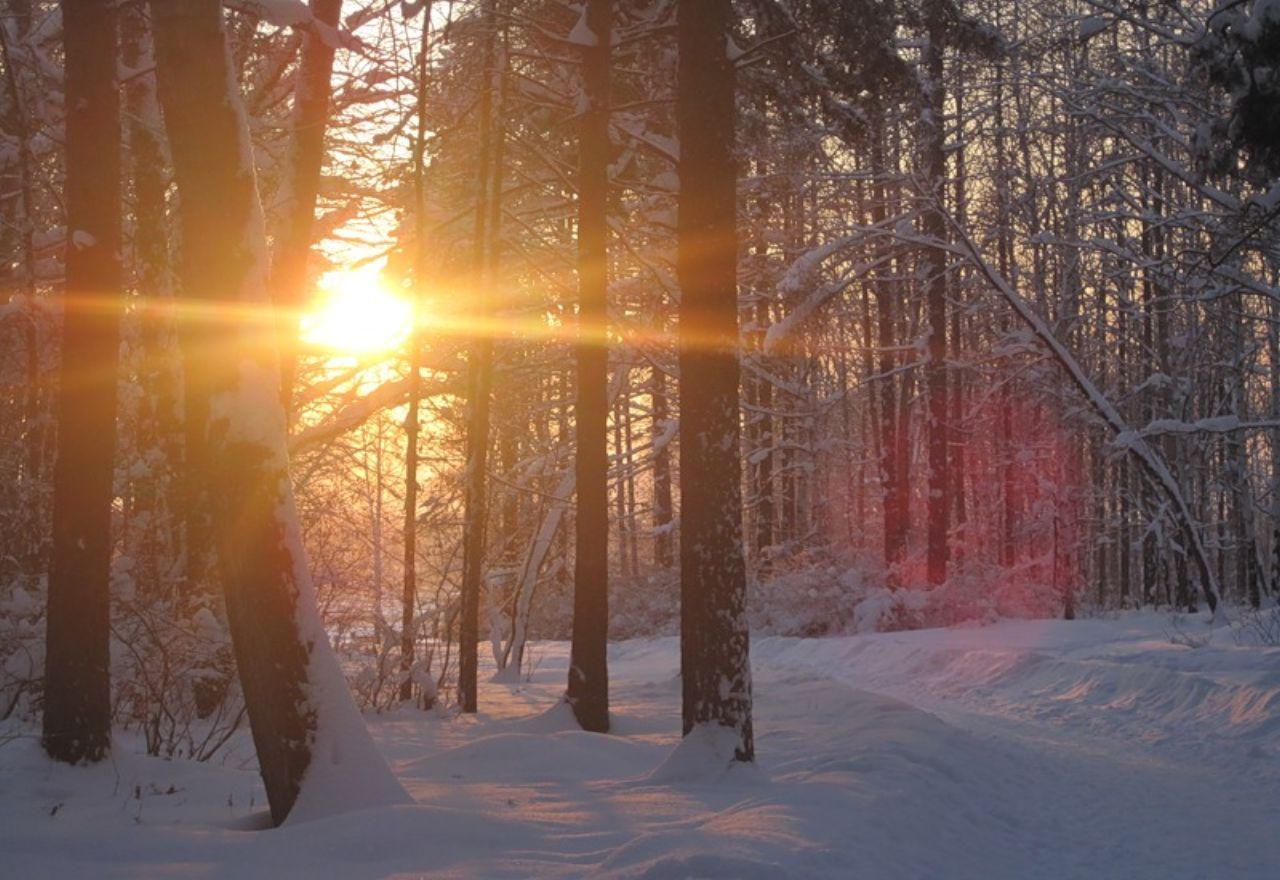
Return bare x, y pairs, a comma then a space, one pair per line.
357, 314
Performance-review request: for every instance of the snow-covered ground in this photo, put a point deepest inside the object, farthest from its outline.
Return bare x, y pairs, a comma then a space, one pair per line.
1094, 749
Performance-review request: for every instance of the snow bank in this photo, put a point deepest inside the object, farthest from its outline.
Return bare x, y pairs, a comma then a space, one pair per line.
1128, 678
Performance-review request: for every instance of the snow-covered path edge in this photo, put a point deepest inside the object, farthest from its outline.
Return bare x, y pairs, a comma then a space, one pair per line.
1187, 691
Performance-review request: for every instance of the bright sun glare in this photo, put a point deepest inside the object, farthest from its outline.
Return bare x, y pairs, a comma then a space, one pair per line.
355, 313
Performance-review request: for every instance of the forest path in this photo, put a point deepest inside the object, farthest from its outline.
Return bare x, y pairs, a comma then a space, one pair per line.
1021, 750
1146, 748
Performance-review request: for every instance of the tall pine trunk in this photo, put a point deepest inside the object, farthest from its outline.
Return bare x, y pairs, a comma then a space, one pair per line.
480, 373
77, 691
895, 489
588, 691
412, 421
314, 752
714, 650
935, 261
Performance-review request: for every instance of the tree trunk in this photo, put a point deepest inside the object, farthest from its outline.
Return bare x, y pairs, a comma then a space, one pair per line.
77, 690
310, 117
1004, 456
619, 484
156, 547
479, 378
663, 555
935, 260
629, 482
764, 530
956, 440
588, 691
714, 649
895, 493
314, 752
409, 597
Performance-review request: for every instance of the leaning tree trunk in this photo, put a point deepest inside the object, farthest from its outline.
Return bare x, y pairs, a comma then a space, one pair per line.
714, 661
77, 687
314, 752
588, 691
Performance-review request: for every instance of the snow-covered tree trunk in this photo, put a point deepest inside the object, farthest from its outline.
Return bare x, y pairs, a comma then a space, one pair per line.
314, 752
588, 689
77, 689
714, 650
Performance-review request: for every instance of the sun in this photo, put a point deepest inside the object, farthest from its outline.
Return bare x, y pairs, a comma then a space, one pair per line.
355, 313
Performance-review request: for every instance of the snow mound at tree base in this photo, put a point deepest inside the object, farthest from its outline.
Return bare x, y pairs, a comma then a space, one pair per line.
706, 754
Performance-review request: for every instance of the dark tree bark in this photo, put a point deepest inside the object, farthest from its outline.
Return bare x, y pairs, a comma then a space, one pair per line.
760, 392
935, 261
409, 586
588, 691
409, 597
956, 442
480, 375
714, 651
895, 489
157, 546
310, 118
77, 691
294, 690
1009, 504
